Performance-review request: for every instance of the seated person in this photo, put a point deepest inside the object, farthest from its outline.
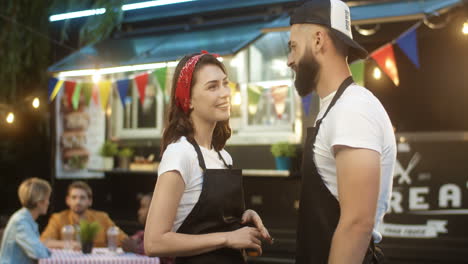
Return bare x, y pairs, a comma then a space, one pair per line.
135, 243
79, 200
20, 243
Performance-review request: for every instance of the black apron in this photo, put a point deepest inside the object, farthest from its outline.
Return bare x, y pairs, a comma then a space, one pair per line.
219, 209
319, 210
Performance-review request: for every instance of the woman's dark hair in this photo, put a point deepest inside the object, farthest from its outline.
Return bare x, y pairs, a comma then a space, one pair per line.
178, 123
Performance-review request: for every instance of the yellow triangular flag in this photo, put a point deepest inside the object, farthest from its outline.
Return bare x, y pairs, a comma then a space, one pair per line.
56, 89
104, 92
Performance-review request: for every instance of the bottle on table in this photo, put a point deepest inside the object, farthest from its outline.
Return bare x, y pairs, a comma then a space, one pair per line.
112, 237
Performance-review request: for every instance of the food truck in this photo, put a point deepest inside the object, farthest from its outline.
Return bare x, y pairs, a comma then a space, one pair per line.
124, 86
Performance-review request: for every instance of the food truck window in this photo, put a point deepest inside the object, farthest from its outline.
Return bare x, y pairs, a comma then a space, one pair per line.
264, 99
139, 118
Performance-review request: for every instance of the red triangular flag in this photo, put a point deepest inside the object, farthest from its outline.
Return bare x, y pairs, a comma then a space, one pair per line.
385, 58
69, 91
95, 94
141, 82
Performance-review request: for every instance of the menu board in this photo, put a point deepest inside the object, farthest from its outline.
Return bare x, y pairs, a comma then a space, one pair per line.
80, 132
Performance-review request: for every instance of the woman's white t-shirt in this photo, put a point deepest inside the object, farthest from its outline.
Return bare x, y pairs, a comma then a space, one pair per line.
182, 157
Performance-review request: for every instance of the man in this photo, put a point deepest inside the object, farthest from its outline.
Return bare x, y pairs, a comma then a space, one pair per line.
350, 154
79, 199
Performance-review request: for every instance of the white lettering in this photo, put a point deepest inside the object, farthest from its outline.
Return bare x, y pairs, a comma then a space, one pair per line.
449, 193
395, 203
416, 201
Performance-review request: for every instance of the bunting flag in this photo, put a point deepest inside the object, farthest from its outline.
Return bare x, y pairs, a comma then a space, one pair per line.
141, 82
76, 96
56, 89
160, 75
306, 101
279, 94
51, 86
104, 92
385, 58
69, 91
408, 43
95, 94
254, 93
122, 88
357, 70
87, 92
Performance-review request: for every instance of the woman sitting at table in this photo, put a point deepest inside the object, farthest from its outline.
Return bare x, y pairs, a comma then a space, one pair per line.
20, 243
197, 212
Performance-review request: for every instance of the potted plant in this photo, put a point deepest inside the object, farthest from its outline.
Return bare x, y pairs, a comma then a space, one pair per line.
88, 232
283, 152
108, 151
125, 156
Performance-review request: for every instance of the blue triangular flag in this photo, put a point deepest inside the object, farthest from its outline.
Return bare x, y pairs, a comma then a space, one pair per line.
122, 87
306, 100
408, 43
52, 83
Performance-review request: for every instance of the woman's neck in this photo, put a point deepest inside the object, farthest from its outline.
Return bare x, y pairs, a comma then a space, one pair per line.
203, 132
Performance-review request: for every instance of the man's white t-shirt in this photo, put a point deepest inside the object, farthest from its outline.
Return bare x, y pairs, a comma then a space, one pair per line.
357, 120
182, 157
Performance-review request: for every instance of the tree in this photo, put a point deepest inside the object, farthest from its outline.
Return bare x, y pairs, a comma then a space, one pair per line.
25, 41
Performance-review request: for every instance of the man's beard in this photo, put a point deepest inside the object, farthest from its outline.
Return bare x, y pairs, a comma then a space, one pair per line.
306, 74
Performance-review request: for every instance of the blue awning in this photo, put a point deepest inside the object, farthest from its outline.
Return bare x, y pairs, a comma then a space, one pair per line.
384, 12
164, 47
193, 8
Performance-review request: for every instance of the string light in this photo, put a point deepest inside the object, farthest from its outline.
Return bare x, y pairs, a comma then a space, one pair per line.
377, 73
36, 103
10, 118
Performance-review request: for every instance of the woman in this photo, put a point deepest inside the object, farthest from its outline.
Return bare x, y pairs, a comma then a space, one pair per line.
21, 242
197, 210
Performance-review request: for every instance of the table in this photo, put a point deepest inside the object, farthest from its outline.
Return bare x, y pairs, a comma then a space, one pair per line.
98, 256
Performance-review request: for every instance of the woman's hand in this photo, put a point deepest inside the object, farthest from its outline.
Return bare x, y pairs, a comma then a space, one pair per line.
246, 237
250, 216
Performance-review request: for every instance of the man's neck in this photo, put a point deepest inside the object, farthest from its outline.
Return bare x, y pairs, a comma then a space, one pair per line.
75, 218
332, 76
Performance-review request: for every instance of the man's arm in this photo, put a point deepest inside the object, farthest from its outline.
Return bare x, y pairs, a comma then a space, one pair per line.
52, 230
358, 175
108, 223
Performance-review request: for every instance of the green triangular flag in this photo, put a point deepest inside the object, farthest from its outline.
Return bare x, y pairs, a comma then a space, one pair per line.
160, 75
87, 92
76, 96
254, 92
357, 70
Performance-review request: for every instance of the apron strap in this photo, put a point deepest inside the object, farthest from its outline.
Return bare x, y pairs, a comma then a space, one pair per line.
347, 82
201, 161
225, 163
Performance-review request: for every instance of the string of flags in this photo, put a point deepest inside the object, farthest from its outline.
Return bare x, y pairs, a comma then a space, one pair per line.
385, 59
385, 55
74, 91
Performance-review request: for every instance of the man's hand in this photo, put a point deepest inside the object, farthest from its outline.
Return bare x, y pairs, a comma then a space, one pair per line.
130, 245
250, 216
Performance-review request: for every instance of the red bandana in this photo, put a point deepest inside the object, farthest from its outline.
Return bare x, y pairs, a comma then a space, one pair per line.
182, 93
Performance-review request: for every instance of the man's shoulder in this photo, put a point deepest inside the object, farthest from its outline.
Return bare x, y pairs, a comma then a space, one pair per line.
60, 215
358, 99
98, 214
